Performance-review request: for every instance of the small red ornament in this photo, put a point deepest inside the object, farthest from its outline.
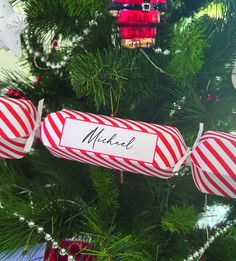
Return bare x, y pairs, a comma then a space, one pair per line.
209, 98
15, 94
54, 43
10, 92
37, 78
137, 21
73, 247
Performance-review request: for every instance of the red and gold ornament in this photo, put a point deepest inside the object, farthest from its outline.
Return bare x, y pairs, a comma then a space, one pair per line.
137, 21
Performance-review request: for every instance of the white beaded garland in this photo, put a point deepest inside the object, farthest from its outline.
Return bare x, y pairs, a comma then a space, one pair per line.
40, 230
21, 219
66, 57
62, 252
165, 52
70, 258
55, 245
220, 231
31, 224
48, 237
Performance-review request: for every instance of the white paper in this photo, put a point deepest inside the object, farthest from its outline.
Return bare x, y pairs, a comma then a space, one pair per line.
107, 140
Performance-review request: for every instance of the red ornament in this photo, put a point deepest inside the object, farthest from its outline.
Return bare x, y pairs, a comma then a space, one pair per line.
137, 21
73, 247
15, 94
54, 43
209, 98
37, 78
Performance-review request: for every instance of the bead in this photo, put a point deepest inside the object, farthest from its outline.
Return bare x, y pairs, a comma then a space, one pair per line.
48, 237
37, 54
166, 52
70, 258
31, 51
21, 219
53, 66
48, 64
31, 224
43, 59
62, 252
201, 250
55, 245
40, 230
62, 63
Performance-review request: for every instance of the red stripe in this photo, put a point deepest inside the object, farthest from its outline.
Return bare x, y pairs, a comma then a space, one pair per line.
139, 125
215, 172
124, 167
27, 111
110, 163
28, 104
112, 121
80, 114
15, 143
176, 140
227, 151
16, 116
96, 118
220, 160
123, 122
19, 153
6, 155
218, 135
54, 126
194, 173
9, 125
94, 161
203, 183
167, 144
61, 118
156, 172
71, 115
47, 134
139, 170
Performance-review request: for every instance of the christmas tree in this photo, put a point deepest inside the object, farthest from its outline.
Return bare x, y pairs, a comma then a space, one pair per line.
83, 212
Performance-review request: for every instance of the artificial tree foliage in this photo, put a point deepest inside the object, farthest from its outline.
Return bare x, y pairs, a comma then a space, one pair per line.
128, 216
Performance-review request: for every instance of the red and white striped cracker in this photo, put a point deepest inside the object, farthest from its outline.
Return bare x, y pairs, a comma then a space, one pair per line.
214, 164
169, 149
17, 121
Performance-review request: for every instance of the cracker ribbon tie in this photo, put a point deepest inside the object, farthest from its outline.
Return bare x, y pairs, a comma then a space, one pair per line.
189, 150
31, 138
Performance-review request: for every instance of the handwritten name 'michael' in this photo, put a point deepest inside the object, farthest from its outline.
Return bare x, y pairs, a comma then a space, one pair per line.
95, 136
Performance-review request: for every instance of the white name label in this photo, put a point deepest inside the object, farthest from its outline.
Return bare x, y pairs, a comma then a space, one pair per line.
107, 140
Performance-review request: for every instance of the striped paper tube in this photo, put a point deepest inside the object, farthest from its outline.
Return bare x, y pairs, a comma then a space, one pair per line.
113, 143
213, 163
17, 121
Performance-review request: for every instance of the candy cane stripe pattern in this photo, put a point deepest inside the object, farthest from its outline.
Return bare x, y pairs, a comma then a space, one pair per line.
167, 143
214, 164
17, 121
